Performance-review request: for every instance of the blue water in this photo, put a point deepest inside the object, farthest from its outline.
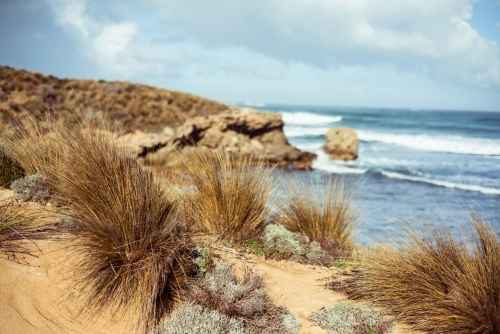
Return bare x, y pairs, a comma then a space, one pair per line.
436, 164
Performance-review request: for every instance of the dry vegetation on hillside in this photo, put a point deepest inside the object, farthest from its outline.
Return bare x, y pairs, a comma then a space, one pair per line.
135, 106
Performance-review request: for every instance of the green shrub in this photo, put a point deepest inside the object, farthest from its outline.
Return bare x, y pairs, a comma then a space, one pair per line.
10, 170
349, 318
32, 188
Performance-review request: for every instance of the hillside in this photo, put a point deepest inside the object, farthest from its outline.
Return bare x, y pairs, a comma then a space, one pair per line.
136, 106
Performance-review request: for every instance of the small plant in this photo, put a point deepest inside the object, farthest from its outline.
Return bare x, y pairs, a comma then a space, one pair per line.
349, 318
10, 170
255, 246
435, 282
279, 243
232, 195
193, 318
203, 260
329, 220
244, 299
32, 188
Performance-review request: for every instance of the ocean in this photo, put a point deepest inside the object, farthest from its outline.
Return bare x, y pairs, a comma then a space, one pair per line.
412, 164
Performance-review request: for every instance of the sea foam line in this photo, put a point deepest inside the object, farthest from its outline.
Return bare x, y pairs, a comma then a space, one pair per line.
444, 144
305, 118
470, 187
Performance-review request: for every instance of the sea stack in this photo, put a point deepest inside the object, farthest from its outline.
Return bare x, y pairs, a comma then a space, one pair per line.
341, 143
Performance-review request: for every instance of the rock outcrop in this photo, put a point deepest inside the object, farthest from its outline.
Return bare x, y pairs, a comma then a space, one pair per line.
341, 144
239, 130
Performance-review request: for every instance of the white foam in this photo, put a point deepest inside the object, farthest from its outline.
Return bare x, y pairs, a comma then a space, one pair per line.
484, 190
446, 144
305, 118
301, 131
323, 162
254, 104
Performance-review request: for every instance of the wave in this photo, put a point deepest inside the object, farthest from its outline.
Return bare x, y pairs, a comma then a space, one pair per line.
470, 187
324, 163
254, 104
302, 131
444, 144
305, 118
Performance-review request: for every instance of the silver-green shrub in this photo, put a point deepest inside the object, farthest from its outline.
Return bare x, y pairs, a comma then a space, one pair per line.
32, 188
194, 318
278, 240
350, 318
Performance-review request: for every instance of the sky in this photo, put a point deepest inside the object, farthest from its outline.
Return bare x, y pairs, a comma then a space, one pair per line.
418, 54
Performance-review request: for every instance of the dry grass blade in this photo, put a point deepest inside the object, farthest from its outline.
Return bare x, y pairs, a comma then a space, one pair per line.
436, 283
232, 193
329, 220
32, 144
131, 248
10, 170
15, 230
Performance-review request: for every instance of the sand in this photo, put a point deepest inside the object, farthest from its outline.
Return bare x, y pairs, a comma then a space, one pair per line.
37, 297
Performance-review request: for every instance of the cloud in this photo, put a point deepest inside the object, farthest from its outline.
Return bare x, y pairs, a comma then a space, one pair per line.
263, 37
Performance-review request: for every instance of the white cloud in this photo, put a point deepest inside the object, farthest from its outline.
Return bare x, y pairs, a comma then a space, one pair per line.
113, 39
328, 33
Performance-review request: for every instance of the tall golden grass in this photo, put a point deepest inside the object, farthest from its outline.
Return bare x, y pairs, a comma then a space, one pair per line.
132, 250
436, 283
328, 219
232, 193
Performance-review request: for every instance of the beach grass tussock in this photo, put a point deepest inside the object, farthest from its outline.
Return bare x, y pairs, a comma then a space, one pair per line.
437, 283
232, 194
10, 170
350, 318
32, 144
242, 298
328, 220
132, 251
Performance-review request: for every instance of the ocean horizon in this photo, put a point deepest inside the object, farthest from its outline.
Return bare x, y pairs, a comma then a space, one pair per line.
412, 164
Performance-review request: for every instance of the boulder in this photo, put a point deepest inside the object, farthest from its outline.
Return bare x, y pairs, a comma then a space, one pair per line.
341, 144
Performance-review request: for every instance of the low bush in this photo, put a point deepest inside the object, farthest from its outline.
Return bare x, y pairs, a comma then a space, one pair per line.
435, 282
349, 318
329, 220
32, 188
244, 299
278, 243
232, 193
193, 318
10, 170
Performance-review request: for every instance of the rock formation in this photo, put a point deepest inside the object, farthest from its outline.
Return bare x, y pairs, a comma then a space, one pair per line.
239, 130
341, 144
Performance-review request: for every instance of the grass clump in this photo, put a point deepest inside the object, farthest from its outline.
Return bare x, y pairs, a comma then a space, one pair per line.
231, 197
436, 283
10, 170
349, 318
244, 299
131, 247
329, 221
32, 188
